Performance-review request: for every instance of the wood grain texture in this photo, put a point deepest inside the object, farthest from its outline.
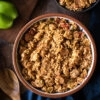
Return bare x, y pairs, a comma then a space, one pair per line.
25, 9
9, 84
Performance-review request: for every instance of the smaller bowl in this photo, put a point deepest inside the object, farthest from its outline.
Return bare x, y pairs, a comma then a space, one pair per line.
55, 80
79, 11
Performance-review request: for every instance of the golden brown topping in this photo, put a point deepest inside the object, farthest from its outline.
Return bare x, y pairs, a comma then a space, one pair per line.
76, 5
55, 55
74, 73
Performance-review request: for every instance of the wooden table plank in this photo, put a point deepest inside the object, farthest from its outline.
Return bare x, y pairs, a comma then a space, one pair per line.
25, 9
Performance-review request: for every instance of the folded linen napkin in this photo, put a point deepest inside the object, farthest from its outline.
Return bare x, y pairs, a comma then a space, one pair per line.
92, 90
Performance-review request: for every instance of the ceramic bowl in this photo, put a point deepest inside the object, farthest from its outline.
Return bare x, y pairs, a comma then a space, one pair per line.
78, 11
18, 67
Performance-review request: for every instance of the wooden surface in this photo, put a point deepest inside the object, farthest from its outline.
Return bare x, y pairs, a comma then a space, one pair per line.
27, 11
9, 86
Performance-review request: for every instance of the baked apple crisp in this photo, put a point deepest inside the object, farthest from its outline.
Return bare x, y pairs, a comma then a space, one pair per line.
76, 5
55, 55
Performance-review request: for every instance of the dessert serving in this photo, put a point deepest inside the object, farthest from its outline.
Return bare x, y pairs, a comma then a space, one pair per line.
54, 55
76, 5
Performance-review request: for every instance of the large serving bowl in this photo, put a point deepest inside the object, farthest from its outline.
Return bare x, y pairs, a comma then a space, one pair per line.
79, 7
68, 61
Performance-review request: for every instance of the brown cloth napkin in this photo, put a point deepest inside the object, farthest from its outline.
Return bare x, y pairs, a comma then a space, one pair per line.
9, 84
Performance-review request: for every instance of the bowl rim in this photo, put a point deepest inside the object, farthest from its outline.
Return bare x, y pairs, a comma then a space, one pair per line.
81, 11
15, 60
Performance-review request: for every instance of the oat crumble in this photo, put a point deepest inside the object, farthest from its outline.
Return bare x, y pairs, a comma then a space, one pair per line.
55, 55
76, 5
